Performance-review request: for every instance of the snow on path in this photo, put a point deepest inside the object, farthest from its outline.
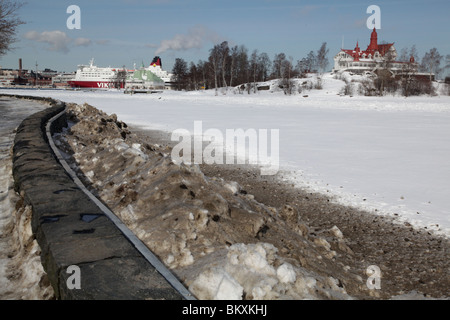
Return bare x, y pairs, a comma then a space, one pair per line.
20, 265
388, 154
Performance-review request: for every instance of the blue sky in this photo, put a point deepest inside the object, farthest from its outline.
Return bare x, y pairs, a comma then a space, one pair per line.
123, 32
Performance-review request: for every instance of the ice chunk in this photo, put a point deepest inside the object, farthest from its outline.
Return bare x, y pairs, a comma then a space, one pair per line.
216, 284
286, 273
232, 186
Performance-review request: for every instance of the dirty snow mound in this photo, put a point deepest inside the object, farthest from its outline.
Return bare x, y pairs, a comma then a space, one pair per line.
219, 241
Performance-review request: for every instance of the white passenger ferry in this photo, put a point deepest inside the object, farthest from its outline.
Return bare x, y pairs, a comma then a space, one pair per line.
92, 76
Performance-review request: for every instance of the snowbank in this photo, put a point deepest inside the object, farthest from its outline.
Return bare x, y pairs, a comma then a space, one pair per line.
22, 276
215, 237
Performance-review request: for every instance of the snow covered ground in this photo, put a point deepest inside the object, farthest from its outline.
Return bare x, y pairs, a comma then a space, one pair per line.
21, 271
389, 155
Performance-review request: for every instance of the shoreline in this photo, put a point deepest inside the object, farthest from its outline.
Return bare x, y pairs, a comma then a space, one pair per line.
414, 259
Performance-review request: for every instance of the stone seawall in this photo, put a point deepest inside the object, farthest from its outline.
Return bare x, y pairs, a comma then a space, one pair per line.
72, 230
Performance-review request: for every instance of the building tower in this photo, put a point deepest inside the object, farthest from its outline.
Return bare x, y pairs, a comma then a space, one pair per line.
373, 46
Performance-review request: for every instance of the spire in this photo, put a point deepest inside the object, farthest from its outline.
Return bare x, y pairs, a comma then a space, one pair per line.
356, 52
373, 40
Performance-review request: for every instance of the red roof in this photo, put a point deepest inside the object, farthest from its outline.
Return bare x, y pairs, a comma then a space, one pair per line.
371, 48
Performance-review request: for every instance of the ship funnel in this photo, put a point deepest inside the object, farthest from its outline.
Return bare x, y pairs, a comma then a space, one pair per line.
156, 62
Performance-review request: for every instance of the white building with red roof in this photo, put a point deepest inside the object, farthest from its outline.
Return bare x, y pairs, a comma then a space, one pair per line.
375, 57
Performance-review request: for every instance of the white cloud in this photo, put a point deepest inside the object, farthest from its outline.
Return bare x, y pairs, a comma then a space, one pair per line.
103, 42
195, 38
82, 42
57, 40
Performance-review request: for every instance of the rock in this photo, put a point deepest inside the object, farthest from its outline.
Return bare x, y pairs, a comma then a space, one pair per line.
322, 242
337, 233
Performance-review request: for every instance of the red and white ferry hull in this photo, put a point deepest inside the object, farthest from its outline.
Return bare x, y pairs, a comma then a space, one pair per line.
95, 84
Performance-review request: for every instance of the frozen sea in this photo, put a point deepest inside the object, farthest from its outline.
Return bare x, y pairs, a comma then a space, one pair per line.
389, 155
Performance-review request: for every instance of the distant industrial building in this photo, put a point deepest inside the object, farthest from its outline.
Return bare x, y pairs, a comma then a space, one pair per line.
25, 77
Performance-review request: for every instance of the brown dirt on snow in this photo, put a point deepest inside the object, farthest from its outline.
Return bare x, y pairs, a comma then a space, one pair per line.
187, 214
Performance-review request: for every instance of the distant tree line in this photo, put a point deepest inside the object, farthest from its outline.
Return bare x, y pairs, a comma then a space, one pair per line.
235, 66
431, 64
230, 66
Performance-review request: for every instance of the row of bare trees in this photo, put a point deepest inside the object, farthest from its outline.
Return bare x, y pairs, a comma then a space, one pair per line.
409, 83
228, 67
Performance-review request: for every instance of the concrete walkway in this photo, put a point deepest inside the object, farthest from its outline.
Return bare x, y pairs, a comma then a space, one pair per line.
84, 253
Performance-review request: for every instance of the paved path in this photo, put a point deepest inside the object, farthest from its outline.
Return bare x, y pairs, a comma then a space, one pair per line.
112, 264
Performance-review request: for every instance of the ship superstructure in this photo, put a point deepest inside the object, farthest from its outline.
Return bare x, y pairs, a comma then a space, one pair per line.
91, 76
156, 68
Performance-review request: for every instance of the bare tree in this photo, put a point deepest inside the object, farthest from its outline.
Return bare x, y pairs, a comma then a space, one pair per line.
179, 72
407, 76
413, 53
278, 63
8, 24
242, 69
265, 64
224, 55
193, 76
311, 62
233, 58
254, 66
404, 54
322, 60
302, 67
408, 69
214, 59
287, 71
202, 69
385, 80
431, 62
